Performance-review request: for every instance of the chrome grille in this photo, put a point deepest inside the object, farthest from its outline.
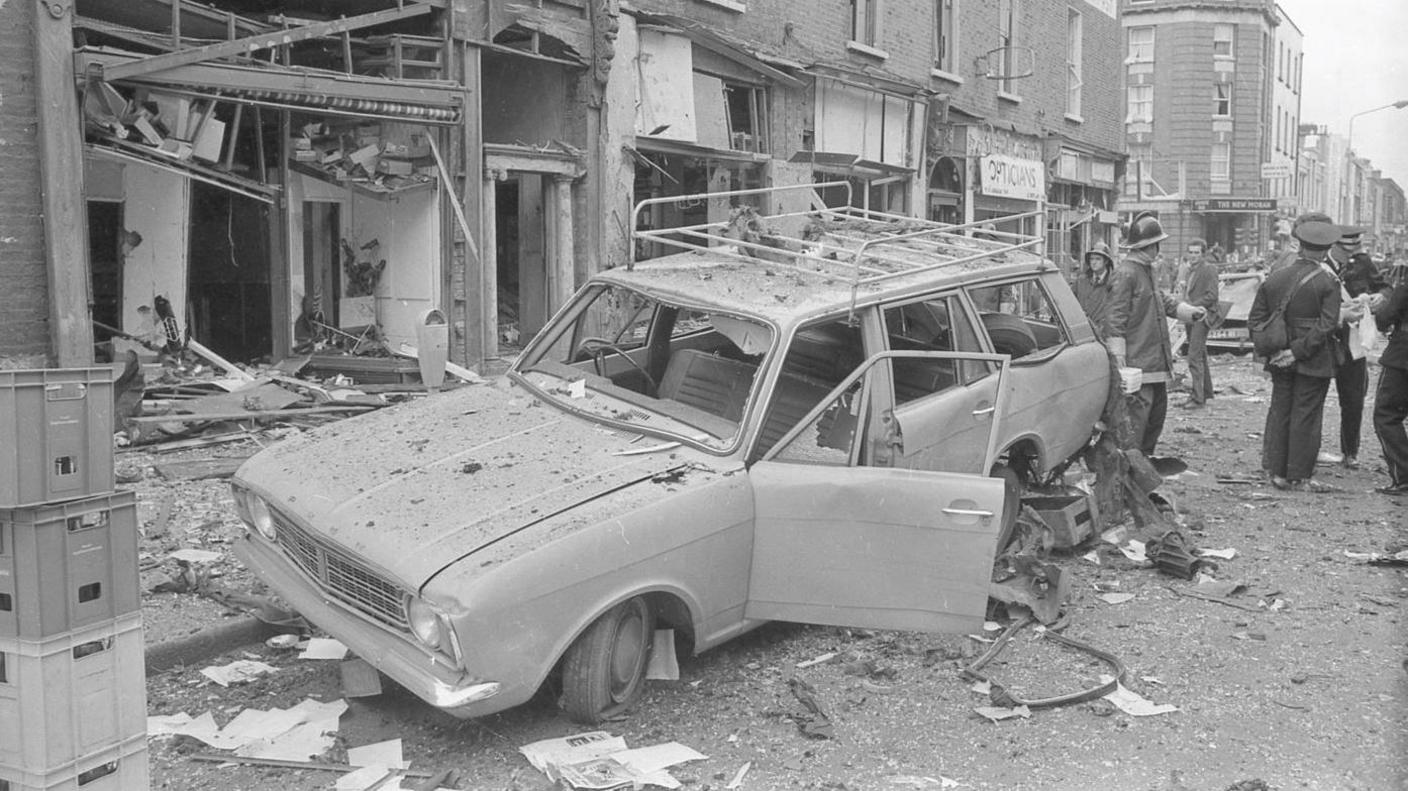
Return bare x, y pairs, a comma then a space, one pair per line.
342, 576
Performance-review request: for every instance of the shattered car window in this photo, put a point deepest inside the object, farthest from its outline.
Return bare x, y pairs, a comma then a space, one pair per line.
624, 356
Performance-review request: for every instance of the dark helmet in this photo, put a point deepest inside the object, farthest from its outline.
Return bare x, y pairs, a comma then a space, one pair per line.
1144, 231
1100, 249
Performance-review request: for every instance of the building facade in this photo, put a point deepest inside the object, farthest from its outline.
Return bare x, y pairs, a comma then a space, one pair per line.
481, 158
1213, 105
1389, 228
1027, 114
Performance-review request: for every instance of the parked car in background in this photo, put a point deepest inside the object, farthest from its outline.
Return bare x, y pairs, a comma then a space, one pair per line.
824, 427
1236, 290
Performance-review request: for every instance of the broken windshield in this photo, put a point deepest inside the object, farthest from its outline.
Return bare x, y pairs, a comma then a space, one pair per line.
624, 356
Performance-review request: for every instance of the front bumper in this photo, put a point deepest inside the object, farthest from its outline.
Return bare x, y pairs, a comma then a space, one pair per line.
456, 692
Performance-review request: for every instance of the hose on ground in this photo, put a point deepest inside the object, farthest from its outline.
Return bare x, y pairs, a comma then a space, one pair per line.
1001, 696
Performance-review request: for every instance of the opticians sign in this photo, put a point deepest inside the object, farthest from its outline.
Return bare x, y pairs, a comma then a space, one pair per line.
1010, 177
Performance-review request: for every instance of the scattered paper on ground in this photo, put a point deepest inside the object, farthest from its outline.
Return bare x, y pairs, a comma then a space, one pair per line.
739, 775
297, 734
237, 672
924, 782
362, 779
998, 714
387, 753
1134, 550
1132, 703
1091, 556
1225, 554
324, 648
817, 660
596, 759
656, 757
195, 555
664, 665
1115, 598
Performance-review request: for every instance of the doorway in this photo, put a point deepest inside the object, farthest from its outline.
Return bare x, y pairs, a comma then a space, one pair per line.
521, 250
230, 298
322, 269
105, 253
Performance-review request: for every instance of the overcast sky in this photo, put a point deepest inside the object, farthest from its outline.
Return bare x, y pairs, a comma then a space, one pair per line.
1356, 58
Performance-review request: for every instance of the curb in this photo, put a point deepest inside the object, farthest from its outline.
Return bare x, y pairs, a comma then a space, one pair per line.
206, 643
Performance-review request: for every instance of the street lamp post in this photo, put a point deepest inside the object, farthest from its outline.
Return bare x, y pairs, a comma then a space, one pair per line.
1346, 211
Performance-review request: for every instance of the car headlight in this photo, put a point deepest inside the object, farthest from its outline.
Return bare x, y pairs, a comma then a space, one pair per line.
426, 623
261, 517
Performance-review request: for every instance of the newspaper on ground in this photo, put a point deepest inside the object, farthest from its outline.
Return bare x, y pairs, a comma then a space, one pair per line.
597, 760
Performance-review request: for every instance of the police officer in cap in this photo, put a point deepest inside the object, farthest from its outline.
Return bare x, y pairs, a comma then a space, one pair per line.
1137, 332
1362, 286
1391, 399
1300, 374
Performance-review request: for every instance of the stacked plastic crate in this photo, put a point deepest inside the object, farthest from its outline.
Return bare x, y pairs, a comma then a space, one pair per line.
72, 683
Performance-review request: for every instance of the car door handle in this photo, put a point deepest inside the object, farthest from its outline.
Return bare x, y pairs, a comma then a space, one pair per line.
984, 411
966, 512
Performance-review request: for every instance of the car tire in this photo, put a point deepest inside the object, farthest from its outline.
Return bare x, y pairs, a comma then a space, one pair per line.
1011, 504
604, 670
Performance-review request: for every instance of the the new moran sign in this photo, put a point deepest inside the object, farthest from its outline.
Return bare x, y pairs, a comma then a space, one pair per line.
1010, 177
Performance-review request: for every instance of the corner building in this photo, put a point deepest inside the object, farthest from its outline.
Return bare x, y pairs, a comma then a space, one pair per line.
1212, 118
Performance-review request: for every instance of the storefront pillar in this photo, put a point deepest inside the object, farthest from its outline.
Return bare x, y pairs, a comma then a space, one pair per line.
561, 273
489, 281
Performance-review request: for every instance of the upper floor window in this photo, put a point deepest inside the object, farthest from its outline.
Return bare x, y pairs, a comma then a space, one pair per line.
945, 36
1074, 34
1141, 44
747, 112
1223, 37
865, 21
1222, 99
1221, 161
1141, 103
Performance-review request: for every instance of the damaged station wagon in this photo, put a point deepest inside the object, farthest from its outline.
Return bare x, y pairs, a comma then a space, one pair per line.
819, 415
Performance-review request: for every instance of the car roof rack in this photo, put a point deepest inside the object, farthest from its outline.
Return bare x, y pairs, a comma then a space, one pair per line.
859, 245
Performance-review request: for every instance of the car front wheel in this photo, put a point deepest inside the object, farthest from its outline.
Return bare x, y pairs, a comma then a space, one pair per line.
604, 670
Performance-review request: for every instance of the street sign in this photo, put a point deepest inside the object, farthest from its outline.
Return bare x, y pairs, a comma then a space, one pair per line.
1275, 170
1233, 205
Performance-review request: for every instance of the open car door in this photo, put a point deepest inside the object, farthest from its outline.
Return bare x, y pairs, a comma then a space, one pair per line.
843, 544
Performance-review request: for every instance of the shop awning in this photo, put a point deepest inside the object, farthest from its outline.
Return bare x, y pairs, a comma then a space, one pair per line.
720, 45
680, 148
851, 165
128, 153
294, 88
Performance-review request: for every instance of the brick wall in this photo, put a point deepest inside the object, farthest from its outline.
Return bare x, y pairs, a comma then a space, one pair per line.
24, 299
1184, 128
1043, 96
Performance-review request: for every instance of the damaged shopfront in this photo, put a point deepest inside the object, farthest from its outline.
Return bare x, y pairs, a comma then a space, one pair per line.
295, 199
706, 110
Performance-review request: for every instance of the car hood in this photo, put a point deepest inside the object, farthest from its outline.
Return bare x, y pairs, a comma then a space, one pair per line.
413, 488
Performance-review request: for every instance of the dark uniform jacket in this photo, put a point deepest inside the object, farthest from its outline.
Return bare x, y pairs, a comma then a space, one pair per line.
1392, 317
1359, 276
1311, 316
1136, 321
1093, 294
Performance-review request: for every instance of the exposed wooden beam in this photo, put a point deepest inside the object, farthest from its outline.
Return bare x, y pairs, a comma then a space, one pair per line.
245, 46
61, 163
234, 78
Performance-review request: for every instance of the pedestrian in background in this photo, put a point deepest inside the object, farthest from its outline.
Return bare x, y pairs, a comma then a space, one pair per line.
1138, 333
1201, 292
1301, 373
1391, 398
1358, 278
1092, 287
